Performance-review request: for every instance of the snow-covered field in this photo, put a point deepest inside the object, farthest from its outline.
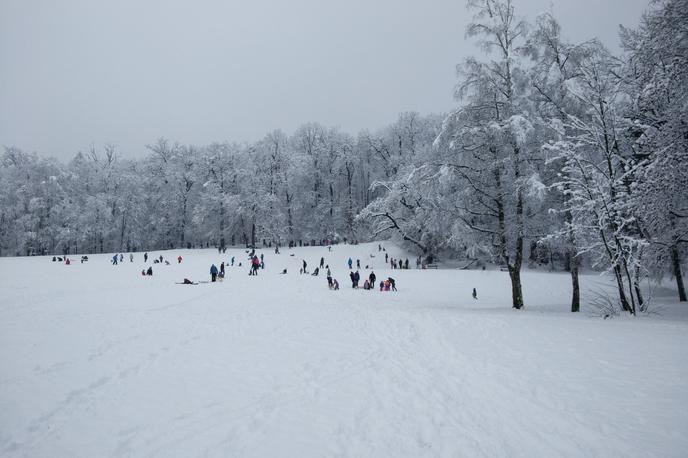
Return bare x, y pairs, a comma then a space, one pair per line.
96, 361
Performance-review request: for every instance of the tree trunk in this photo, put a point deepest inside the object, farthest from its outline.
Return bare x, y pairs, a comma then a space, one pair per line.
575, 296
516, 291
676, 265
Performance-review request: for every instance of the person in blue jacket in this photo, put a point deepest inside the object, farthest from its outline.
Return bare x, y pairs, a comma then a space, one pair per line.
350, 263
213, 272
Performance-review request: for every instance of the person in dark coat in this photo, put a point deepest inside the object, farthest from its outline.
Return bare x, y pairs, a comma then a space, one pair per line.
475, 294
392, 283
305, 264
145, 257
222, 268
353, 279
371, 278
357, 278
322, 262
213, 273
149, 271
406, 264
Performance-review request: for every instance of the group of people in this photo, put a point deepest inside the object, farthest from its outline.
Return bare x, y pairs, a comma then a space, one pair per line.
397, 263
369, 283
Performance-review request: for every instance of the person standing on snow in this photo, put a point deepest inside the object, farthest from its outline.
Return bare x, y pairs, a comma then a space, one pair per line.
179, 259
213, 273
114, 260
145, 257
358, 263
322, 262
372, 277
353, 279
351, 262
222, 268
305, 264
475, 294
232, 261
131, 257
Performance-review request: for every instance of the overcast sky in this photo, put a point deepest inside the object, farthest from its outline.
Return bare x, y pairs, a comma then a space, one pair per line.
126, 72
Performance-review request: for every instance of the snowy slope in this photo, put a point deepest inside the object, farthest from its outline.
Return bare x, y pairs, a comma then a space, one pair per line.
96, 360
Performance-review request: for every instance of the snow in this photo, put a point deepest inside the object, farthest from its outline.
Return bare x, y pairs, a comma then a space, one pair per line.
97, 360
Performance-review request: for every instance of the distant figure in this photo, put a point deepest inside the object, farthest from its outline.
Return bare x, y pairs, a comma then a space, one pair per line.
213, 273
114, 260
406, 264
149, 271
475, 294
277, 249
392, 283
222, 268
121, 257
67, 261
220, 276
379, 247
160, 258
353, 279
329, 281
145, 257
386, 258
305, 264
54, 259
322, 262
131, 257
371, 277
187, 282
167, 263
143, 272
336, 284
358, 263
329, 248
351, 263
366, 285
418, 262
284, 272
179, 259
382, 285
316, 272
232, 260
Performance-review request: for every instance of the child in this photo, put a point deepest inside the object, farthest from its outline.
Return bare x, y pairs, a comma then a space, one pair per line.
336, 284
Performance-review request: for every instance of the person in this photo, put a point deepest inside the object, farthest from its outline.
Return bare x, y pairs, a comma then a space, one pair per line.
167, 263
232, 261
329, 274
277, 249
131, 257
145, 257
406, 264
336, 284
261, 257
386, 258
316, 272
213, 273
121, 257
150, 270
67, 261
379, 247
353, 279
392, 283
160, 259
418, 262
329, 248
366, 285
220, 276
358, 263
382, 285
222, 268
322, 262
475, 294
114, 260
54, 259
187, 282
143, 272
305, 264
284, 272
351, 262
372, 277
329, 281
179, 259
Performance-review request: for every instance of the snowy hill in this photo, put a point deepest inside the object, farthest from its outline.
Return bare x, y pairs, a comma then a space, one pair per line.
97, 360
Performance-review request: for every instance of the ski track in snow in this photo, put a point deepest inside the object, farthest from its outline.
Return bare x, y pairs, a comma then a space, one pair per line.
99, 361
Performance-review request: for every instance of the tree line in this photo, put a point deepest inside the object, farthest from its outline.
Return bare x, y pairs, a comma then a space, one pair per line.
560, 154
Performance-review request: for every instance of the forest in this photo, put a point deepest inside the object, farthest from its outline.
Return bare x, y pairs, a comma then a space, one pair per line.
559, 155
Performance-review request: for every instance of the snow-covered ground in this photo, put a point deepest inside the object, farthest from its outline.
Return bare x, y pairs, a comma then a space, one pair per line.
96, 360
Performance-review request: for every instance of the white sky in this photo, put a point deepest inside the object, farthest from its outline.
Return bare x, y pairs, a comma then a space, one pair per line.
76, 72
